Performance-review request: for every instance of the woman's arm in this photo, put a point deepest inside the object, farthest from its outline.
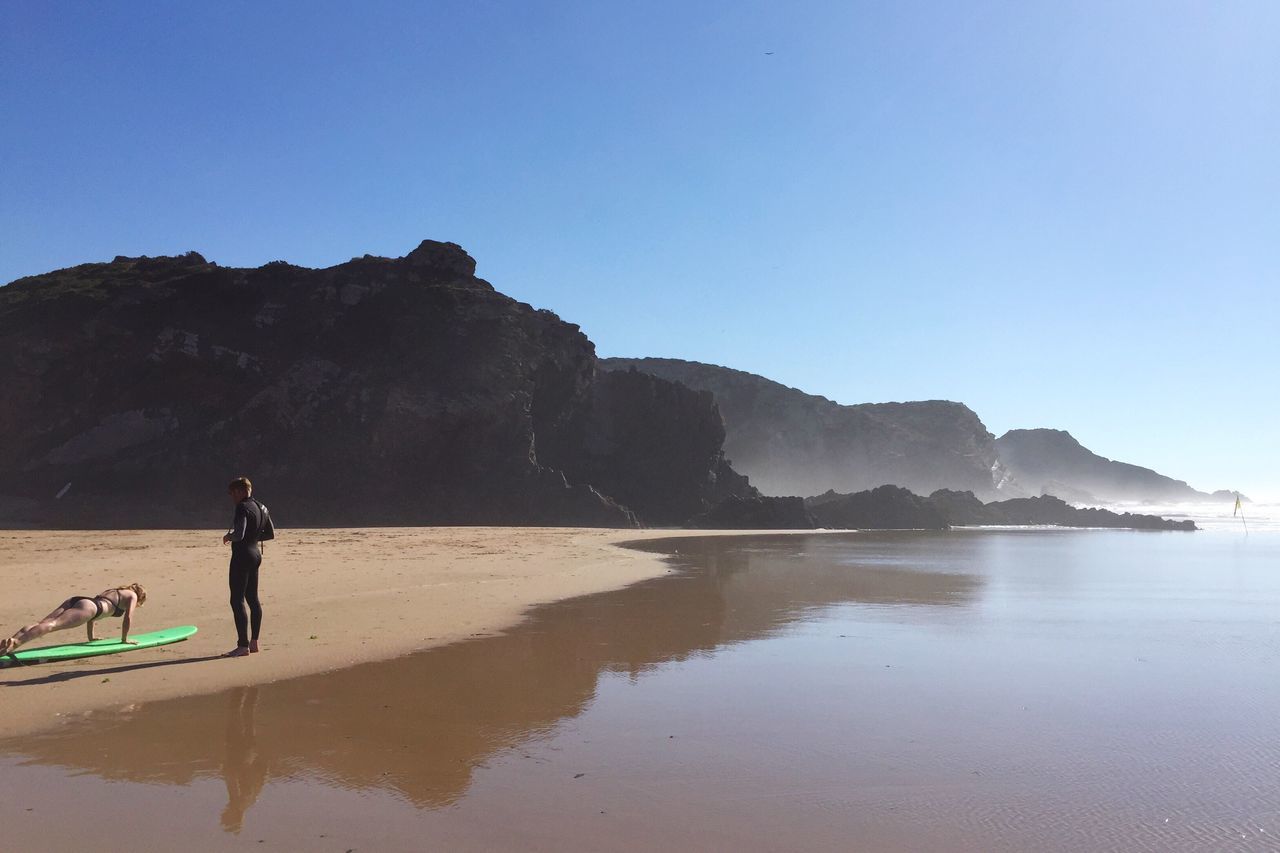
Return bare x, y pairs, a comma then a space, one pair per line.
128, 618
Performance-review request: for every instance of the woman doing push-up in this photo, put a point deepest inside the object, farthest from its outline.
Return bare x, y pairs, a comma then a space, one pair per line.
79, 610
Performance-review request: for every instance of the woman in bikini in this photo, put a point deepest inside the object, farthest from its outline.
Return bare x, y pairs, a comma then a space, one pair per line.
120, 601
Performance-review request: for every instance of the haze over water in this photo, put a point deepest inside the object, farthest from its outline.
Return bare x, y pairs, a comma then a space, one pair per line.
970, 690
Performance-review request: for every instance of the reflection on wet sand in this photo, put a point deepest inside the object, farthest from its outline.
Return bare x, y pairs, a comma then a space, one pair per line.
420, 725
245, 767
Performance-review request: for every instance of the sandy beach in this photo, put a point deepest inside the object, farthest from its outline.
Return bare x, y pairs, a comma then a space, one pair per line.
970, 690
332, 598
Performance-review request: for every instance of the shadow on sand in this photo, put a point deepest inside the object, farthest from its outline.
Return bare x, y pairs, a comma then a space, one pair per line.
62, 675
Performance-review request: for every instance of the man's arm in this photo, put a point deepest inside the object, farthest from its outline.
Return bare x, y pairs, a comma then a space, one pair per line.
238, 526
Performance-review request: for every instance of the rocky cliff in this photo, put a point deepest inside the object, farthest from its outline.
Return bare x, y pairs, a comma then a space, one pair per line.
1051, 461
378, 391
654, 445
792, 443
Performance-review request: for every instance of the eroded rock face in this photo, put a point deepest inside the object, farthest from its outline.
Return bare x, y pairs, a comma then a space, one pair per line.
653, 445
378, 391
792, 443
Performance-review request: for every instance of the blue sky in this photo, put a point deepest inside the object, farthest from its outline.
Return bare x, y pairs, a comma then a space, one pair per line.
1061, 214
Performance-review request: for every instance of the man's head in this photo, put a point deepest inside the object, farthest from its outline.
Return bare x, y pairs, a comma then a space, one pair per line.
239, 489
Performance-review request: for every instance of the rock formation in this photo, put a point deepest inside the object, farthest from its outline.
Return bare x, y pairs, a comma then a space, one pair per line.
379, 391
960, 509
1048, 509
881, 508
893, 508
654, 445
755, 512
792, 443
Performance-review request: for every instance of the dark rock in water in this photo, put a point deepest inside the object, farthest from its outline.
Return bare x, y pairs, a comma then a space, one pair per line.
379, 391
789, 442
960, 508
1052, 462
1050, 510
1059, 489
893, 508
882, 508
755, 513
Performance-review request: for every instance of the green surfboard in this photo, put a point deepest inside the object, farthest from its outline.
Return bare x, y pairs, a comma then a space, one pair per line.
48, 654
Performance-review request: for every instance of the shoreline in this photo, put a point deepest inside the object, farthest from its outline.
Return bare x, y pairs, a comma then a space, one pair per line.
333, 598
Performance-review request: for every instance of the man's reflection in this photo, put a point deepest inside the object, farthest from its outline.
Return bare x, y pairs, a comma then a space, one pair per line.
244, 768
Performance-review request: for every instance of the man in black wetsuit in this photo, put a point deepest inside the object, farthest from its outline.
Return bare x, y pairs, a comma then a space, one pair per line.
252, 524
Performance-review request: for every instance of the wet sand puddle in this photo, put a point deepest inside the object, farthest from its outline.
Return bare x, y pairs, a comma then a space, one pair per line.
775, 693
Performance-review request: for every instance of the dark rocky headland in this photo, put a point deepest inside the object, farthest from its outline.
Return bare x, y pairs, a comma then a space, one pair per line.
1052, 461
380, 391
790, 442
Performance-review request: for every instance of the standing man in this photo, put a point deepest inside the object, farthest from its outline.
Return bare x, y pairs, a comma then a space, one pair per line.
251, 525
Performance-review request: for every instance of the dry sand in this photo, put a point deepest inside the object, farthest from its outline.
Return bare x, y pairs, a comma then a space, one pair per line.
332, 598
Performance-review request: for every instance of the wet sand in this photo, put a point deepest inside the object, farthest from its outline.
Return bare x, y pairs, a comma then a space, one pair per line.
408, 736
967, 691
332, 598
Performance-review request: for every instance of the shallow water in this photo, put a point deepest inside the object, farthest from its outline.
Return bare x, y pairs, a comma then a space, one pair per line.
973, 690
1251, 519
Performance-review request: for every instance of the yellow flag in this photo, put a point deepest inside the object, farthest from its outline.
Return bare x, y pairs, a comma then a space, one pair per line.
1237, 509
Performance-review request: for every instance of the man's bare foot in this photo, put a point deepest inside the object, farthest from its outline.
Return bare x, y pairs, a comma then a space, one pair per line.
253, 647
7, 645
237, 652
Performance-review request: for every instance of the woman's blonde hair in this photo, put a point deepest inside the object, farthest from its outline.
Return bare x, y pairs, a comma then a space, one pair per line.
137, 590
241, 483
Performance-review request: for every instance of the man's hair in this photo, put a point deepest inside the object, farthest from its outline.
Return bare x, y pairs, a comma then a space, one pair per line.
241, 483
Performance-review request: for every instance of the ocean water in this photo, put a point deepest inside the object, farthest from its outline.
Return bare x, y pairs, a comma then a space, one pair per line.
976, 690
1249, 519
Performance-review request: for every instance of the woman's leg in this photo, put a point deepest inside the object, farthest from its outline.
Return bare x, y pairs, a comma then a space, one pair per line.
59, 620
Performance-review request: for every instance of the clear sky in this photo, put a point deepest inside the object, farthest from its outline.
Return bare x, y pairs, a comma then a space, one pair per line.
1061, 214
